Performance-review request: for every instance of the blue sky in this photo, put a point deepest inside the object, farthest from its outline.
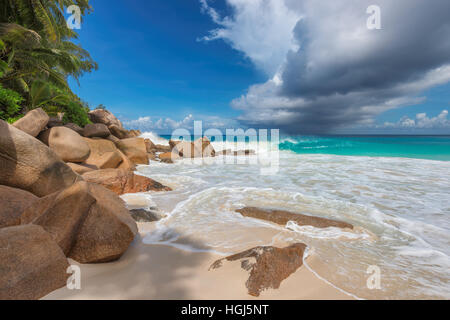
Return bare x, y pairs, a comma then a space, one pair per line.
153, 64
150, 62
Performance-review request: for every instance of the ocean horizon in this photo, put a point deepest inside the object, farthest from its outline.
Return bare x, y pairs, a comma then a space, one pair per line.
430, 147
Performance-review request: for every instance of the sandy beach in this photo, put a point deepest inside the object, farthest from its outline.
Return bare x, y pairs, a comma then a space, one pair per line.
165, 272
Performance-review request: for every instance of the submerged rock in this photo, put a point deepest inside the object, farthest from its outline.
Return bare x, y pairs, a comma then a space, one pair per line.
283, 217
229, 152
144, 215
268, 266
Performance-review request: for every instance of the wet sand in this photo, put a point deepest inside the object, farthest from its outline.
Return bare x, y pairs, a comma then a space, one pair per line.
150, 272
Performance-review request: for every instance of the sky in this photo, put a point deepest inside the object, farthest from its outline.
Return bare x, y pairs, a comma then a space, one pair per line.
301, 66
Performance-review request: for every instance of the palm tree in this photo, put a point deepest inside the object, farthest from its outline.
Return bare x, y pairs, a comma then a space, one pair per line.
36, 47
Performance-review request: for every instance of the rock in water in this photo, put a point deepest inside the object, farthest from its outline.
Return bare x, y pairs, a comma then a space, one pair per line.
283, 217
31, 263
66, 143
26, 163
142, 215
33, 122
90, 223
96, 130
184, 149
169, 157
204, 148
105, 117
198, 149
123, 181
13, 203
268, 266
150, 146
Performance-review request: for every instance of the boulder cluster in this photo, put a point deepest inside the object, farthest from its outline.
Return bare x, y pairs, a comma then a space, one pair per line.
59, 187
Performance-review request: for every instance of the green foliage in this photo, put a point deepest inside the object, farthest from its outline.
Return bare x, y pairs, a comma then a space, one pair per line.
101, 107
37, 56
9, 104
76, 113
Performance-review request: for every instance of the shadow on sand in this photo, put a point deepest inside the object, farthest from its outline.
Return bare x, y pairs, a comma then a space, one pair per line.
143, 272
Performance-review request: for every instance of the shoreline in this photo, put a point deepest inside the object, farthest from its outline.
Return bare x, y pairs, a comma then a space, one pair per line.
161, 272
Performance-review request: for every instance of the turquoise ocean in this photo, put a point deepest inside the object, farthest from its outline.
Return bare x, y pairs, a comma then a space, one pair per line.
395, 190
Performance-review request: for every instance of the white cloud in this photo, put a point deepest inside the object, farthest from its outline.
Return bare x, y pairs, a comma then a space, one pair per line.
167, 125
261, 29
422, 121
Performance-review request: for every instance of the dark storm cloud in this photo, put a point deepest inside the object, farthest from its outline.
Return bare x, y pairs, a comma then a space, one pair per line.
344, 74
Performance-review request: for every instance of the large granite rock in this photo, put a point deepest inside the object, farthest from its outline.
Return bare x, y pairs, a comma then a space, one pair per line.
123, 181
33, 122
126, 163
66, 143
107, 231
75, 127
268, 266
31, 263
62, 214
81, 168
26, 163
135, 149
104, 154
118, 132
104, 117
90, 223
13, 203
96, 130
283, 217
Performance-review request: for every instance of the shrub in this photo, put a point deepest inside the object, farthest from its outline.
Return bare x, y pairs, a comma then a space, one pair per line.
9, 104
76, 113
